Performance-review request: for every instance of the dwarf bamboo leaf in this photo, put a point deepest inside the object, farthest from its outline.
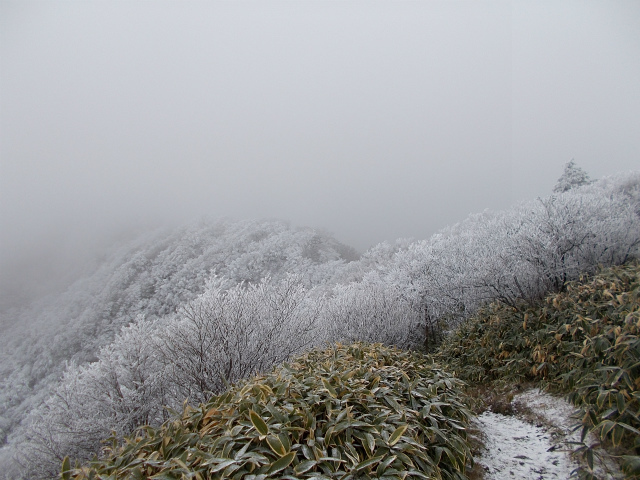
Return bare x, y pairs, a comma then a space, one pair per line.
221, 466
398, 432
368, 463
259, 424
329, 388
304, 466
370, 442
66, 469
282, 463
276, 445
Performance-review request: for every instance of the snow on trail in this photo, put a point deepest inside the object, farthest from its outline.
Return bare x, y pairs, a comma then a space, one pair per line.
518, 449
557, 412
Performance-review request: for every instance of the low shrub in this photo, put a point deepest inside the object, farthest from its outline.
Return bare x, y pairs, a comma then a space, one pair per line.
350, 411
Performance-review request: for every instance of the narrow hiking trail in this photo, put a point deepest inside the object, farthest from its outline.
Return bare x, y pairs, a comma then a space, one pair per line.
520, 450
533, 443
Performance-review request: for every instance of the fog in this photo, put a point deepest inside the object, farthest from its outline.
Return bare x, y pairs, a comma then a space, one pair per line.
373, 120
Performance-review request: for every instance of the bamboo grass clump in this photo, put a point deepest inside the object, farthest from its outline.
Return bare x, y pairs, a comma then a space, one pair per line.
349, 411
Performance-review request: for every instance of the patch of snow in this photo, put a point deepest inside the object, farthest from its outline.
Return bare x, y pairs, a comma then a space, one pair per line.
556, 411
558, 414
516, 449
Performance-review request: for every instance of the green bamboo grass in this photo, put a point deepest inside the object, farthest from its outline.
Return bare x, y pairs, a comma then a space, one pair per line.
348, 412
583, 342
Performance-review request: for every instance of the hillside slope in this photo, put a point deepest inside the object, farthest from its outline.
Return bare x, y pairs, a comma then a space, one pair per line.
149, 278
121, 327
372, 411
354, 411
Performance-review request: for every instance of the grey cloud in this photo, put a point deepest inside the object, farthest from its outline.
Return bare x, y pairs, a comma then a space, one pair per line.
375, 120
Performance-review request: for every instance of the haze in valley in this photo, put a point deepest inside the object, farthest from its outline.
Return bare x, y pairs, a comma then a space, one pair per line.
374, 120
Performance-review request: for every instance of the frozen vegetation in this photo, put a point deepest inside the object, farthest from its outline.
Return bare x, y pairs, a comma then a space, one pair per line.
181, 315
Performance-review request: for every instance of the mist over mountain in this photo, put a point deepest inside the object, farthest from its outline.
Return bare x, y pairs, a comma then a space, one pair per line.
149, 277
376, 121
418, 141
144, 298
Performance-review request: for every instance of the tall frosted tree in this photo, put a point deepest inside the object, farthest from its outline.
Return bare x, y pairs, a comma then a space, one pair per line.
573, 176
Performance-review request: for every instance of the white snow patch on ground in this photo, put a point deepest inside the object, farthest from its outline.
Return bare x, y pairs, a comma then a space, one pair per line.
557, 413
517, 449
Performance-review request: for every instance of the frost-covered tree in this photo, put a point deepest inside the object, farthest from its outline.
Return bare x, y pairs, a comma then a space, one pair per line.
572, 176
124, 389
373, 311
227, 335
222, 336
519, 254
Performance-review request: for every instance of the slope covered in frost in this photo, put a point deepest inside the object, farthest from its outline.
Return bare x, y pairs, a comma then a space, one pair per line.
149, 278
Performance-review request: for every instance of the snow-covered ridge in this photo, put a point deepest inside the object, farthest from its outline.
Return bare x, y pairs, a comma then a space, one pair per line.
404, 294
149, 278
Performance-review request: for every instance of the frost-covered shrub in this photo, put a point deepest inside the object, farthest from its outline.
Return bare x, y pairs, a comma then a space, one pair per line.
124, 389
370, 311
523, 253
219, 338
226, 335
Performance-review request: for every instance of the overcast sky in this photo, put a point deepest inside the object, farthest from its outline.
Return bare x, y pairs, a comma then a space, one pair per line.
374, 120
